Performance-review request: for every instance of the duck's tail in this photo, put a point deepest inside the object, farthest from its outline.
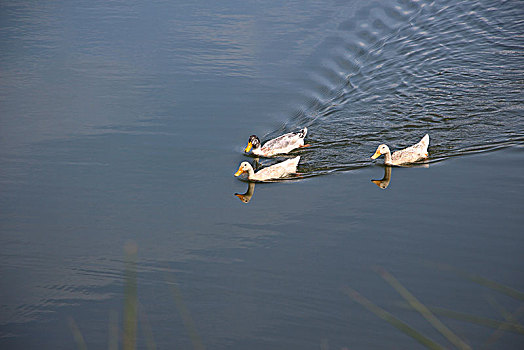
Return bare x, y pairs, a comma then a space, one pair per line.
425, 140
302, 133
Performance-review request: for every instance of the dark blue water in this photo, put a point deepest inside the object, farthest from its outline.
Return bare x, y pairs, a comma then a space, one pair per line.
122, 123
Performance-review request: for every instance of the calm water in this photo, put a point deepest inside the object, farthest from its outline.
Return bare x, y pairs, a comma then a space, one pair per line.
122, 123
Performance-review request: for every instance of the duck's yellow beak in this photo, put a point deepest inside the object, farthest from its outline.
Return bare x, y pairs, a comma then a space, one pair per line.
248, 147
376, 155
240, 171
242, 198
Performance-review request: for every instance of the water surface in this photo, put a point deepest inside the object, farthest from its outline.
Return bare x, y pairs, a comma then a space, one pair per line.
122, 123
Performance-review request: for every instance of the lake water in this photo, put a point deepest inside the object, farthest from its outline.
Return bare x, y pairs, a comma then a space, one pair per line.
122, 123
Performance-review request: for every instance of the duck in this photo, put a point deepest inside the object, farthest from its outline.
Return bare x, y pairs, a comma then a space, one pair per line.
280, 145
275, 171
411, 154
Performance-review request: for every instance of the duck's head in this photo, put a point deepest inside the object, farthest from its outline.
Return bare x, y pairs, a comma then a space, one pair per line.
244, 168
254, 142
243, 198
382, 149
380, 183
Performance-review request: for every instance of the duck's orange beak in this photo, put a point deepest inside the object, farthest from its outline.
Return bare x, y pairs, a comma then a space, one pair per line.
377, 182
240, 171
376, 155
248, 147
242, 198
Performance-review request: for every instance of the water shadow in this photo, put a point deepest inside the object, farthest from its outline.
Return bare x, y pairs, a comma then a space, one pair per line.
386, 179
246, 197
384, 182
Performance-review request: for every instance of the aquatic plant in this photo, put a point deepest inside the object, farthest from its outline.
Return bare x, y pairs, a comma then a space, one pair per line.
510, 324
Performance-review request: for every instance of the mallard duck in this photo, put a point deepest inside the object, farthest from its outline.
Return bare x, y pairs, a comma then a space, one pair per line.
407, 155
282, 144
275, 171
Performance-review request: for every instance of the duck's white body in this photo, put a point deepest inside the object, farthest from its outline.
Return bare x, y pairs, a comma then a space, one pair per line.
281, 145
275, 171
411, 154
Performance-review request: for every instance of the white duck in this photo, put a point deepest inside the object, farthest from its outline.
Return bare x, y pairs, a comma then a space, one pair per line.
411, 154
282, 144
275, 171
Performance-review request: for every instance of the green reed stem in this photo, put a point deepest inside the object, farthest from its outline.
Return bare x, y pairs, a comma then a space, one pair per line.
395, 322
77, 334
130, 298
423, 310
189, 324
499, 287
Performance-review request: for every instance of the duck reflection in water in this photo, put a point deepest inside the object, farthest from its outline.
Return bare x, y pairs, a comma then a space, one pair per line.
246, 197
384, 182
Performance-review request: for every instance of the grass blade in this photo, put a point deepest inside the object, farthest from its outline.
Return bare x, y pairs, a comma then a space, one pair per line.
423, 310
511, 319
478, 320
79, 338
499, 287
395, 322
186, 315
130, 298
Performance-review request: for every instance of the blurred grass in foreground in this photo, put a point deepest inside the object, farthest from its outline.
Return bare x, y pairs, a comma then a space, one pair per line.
510, 323
133, 311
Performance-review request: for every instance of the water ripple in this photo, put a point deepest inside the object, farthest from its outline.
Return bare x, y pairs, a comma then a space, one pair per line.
395, 73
